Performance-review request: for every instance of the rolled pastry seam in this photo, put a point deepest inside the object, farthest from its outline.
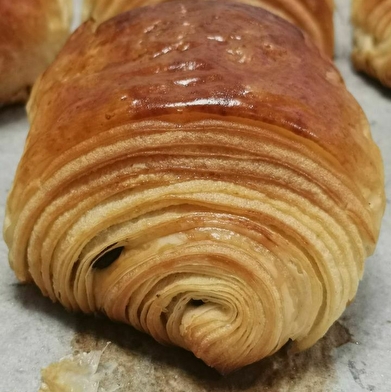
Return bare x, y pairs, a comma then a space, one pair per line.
372, 38
313, 17
33, 32
188, 176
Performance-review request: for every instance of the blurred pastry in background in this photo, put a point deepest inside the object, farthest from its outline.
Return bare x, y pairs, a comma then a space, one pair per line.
372, 38
32, 32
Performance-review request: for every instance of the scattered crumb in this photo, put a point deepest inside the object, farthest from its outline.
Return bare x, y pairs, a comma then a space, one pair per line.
80, 372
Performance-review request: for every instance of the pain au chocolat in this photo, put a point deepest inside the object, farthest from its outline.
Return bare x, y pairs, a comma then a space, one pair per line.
202, 175
315, 17
32, 32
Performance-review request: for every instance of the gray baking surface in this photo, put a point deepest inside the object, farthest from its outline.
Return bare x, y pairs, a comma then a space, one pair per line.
354, 356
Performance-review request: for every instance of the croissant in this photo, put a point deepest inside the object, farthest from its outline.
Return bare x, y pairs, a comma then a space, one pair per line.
31, 34
372, 38
313, 17
203, 176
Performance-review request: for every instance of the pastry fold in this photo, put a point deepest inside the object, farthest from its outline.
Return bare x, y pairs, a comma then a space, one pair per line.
201, 175
372, 38
32, 32
315, 17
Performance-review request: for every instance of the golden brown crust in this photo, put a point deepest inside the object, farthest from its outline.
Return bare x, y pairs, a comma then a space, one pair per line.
31, 34
315, 17
225, 163
372, 38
